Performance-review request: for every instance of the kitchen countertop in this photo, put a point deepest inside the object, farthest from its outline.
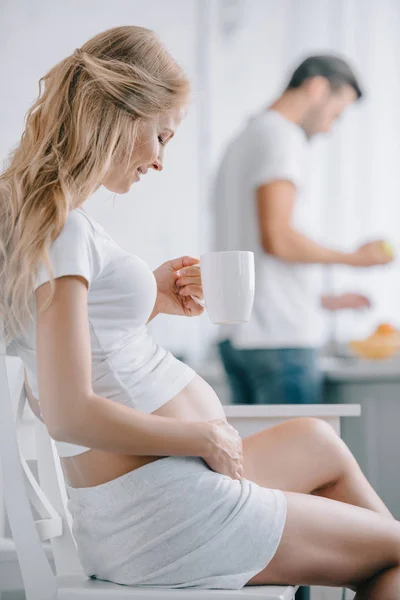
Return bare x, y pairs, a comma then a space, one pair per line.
355, 369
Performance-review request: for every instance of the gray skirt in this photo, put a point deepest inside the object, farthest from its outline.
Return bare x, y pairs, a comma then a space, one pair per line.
176, 523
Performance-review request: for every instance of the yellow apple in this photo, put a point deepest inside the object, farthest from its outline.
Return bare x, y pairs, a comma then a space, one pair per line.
388, 249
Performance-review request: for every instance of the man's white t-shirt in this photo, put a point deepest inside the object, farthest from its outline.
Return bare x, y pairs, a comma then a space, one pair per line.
286, 311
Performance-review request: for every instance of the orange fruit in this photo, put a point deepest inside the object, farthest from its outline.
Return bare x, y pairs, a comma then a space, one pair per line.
385, 329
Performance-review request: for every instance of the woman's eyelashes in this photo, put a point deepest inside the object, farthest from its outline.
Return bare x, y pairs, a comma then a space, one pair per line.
161, 140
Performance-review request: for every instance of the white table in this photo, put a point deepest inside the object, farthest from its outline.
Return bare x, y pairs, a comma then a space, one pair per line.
250, 419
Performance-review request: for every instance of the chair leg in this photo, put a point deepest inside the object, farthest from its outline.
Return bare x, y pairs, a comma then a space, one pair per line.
303, 593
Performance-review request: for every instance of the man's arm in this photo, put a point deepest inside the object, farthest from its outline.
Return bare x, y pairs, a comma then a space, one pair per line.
345, 301
275, 204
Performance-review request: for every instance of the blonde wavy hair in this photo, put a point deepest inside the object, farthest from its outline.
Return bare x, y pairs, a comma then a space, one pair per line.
88, 113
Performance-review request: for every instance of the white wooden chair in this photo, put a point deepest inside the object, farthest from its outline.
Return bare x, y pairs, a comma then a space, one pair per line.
22, 491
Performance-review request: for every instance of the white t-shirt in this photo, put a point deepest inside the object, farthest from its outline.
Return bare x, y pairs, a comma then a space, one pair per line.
286, 310
127, 364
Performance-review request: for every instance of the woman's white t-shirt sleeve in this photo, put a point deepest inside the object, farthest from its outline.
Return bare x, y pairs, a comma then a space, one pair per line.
72, 252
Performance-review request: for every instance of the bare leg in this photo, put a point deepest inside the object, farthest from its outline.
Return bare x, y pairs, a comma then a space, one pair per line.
307, 456
331, 543
385, 585
353, 487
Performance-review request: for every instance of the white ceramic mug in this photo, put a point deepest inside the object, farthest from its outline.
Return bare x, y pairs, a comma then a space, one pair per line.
228, 285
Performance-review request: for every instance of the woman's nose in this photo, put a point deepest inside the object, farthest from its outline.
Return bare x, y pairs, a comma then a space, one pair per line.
157, 164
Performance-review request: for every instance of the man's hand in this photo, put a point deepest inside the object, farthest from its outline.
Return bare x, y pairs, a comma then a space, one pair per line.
371, 254
345, 301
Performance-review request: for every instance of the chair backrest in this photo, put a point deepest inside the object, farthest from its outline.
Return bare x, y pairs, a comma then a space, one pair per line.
48, 496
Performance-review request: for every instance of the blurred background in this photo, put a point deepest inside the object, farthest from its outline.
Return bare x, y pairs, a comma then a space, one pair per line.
238, 55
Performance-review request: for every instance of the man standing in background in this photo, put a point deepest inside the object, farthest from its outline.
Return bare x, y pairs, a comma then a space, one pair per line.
260, 206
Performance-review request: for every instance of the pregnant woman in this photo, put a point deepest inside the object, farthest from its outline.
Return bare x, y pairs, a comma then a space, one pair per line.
162, 490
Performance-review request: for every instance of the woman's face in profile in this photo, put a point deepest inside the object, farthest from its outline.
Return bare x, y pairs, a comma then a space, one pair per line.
148, 152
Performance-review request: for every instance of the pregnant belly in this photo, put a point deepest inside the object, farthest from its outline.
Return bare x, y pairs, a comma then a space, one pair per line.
196, 402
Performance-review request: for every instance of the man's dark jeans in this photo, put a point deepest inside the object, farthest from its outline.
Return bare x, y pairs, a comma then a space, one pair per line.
272, 376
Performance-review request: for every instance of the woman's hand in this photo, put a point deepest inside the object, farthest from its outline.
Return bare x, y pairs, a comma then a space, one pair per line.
178, 280
225, 453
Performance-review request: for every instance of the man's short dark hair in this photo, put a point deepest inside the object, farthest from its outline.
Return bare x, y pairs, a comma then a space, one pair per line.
335, 69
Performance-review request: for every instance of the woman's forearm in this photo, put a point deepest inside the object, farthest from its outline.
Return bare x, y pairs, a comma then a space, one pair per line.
109, 426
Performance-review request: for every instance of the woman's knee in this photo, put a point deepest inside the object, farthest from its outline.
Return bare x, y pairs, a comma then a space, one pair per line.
325, 439
316, 427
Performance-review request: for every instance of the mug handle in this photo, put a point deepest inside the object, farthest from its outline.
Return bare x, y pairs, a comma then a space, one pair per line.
198, 301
